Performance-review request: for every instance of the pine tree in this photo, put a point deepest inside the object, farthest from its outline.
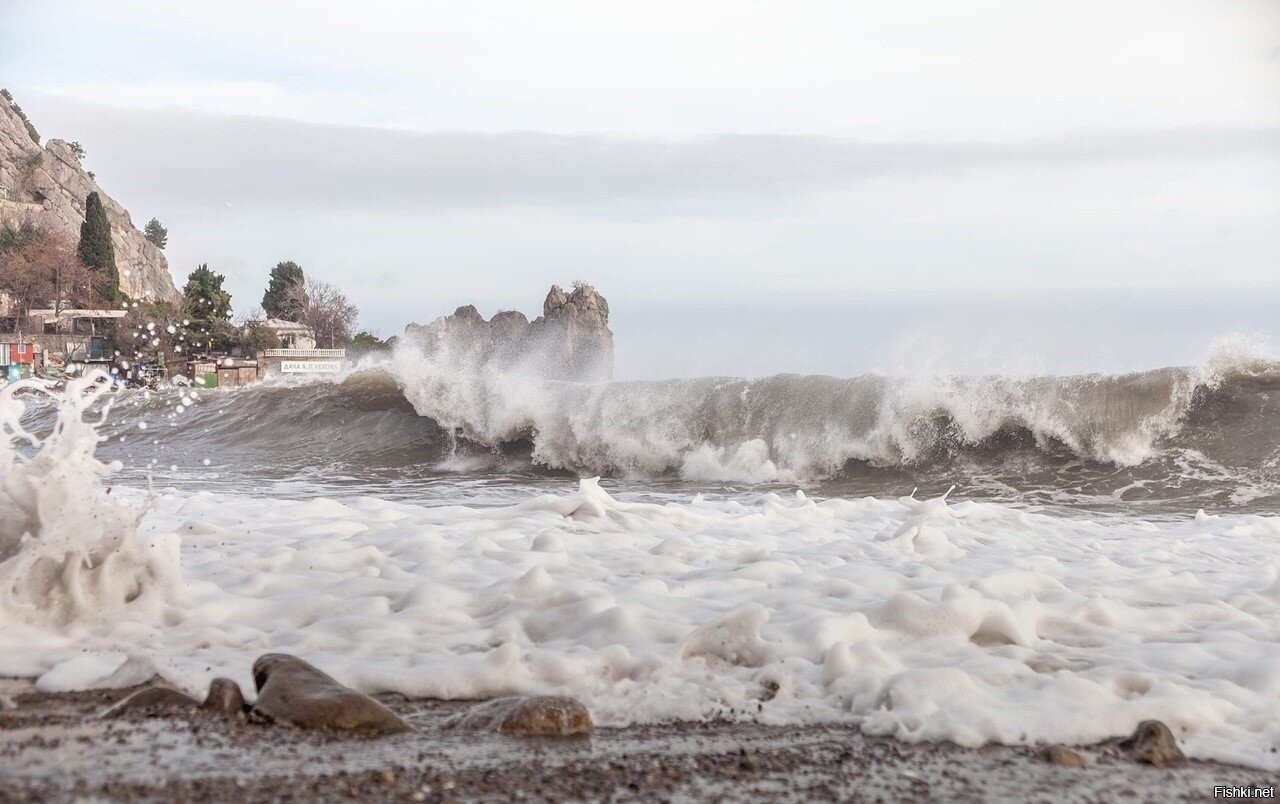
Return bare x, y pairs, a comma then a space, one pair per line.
31, 130
96, 251
286, 295
156, 234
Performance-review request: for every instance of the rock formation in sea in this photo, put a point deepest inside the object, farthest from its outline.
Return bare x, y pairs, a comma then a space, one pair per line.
47, 186
571, 340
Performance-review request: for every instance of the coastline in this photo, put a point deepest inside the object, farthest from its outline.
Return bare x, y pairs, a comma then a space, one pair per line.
54, 747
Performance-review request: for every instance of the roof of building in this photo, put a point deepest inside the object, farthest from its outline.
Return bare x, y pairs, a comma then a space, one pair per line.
50, 315
281, 324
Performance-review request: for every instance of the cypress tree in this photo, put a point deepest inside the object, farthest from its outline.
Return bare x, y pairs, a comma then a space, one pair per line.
207, 308
286, 292
95, 249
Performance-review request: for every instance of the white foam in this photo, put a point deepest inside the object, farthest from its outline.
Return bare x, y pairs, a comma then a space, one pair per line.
69, 551
920, 619
1244, 353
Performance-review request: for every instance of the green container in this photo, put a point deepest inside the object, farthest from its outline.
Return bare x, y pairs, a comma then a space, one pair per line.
207, 380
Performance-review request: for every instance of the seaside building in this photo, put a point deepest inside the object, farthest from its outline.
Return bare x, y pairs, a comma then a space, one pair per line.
72, 321
52, 340
297, 353
222, 372
292, 335
19, 361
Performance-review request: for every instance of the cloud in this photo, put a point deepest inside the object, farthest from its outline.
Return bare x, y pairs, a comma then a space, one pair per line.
186, 159
977, 69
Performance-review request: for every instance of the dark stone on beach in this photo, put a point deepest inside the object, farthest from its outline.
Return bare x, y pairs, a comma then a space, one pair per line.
541, 716
296, 693
1061, 755
152, 701
224, 697
1154, 744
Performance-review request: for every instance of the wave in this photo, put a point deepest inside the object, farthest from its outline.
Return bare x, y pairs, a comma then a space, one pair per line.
924, 619
792, 428
415, 412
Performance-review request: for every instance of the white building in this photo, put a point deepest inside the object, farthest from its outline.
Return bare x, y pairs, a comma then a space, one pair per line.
72, 320
292, 335
297, 353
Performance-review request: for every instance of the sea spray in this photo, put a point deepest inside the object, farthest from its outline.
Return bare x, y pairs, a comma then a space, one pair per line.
1170, 438
791, 428
69, 549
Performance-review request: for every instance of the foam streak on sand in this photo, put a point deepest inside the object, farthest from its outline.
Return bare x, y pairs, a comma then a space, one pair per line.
926, 620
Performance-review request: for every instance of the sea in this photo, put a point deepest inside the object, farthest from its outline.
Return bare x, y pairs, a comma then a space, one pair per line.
977, 557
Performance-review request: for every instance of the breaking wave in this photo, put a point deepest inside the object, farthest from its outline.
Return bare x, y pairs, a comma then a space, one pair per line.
793, 428
924, 619
68, 550
412, 413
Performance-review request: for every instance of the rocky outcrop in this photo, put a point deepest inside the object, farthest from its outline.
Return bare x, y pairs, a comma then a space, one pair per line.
539, 716
296, 693
47, 187
571, 340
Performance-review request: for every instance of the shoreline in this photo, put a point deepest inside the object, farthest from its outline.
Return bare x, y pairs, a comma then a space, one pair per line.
54, 747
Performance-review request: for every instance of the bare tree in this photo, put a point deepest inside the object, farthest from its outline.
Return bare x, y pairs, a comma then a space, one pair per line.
153, 333
327, 311
40, 269
254, 315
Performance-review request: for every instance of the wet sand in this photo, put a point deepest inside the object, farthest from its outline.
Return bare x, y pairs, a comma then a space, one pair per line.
53, 748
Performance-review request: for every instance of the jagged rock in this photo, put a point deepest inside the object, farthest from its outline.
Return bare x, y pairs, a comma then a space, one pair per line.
224, 697
47, 187
541, 716
1154, 744
556, 299
151, 701
571, 340
1061, 755
294, 692
576, 330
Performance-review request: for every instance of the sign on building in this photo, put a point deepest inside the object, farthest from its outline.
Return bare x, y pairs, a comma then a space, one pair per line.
310, 366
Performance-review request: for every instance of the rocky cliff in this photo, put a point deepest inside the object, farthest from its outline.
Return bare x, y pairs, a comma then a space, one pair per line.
47, 186
571, 340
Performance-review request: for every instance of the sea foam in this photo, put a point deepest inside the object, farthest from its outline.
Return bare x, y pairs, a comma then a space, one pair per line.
69, 551
922, 619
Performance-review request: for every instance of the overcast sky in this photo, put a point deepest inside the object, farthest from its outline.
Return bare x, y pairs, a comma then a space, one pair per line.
423, 155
